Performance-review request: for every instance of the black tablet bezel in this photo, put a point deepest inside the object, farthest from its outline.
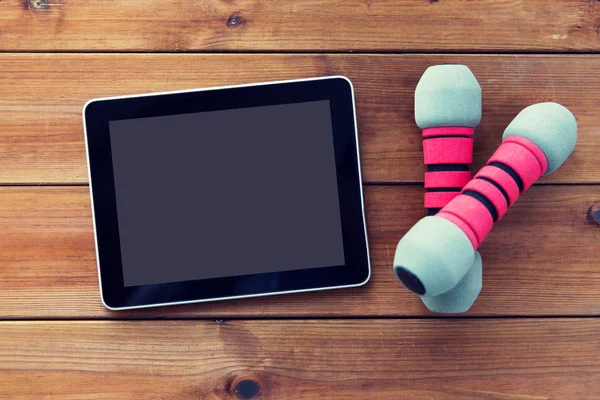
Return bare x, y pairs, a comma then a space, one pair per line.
98, 113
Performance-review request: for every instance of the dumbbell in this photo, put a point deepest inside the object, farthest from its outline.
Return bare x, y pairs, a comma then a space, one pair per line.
438, 251
447, 109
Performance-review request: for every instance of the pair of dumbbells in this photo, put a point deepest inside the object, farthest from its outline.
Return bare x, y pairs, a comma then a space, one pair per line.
437, 258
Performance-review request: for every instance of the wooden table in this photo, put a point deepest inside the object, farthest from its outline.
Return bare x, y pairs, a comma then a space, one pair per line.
534, 332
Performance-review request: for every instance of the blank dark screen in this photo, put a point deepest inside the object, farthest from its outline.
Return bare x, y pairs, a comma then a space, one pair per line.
226, 193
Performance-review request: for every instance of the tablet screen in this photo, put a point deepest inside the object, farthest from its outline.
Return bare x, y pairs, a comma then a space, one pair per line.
226, 193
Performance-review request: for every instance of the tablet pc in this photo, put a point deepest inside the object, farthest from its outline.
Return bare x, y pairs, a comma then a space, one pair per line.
226, 192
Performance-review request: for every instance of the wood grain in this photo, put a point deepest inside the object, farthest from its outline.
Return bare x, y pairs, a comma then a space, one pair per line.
366, 359
332, 25
541, 259
41, 138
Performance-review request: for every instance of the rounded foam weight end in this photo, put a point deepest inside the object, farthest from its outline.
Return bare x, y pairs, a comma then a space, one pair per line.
460, 298
433, 256
551, 127
447, 95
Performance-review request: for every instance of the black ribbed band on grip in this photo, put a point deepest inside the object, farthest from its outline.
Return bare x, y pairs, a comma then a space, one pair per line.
497, 185
448, 136
444, 190
447, 167
513, 174
485, 201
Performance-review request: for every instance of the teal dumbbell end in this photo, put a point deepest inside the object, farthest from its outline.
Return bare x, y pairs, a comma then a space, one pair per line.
448, 95
462, 296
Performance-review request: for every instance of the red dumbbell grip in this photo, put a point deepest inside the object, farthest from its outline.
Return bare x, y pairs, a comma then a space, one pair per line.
513, 168
447, 152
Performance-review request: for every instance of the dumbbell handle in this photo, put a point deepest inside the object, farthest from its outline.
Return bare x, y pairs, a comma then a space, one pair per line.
447, 152
511, 170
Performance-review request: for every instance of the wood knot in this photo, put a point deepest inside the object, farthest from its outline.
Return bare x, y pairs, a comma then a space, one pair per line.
235, 20
244, 385
37, 5
593, 213
245, 388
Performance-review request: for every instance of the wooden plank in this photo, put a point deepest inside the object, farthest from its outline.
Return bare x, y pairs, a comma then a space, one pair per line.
41, 138
333, 25
521, 359
541, 259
